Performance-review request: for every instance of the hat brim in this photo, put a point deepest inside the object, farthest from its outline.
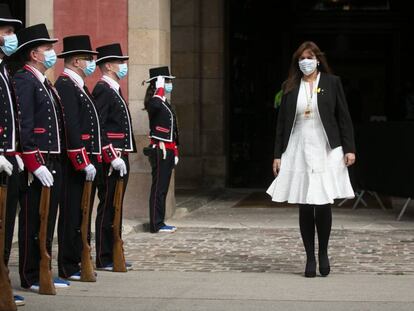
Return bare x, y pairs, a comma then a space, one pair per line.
111, 57
10, 21
35, 42
166, 77
75, 52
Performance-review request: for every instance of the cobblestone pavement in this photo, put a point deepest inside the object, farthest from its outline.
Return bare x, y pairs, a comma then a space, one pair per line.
220, 238
269, 250
265, 250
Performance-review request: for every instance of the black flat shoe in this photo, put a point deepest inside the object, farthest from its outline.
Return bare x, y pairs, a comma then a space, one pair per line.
310, 269
324, 267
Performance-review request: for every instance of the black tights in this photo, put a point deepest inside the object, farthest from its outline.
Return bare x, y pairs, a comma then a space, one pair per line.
321, 216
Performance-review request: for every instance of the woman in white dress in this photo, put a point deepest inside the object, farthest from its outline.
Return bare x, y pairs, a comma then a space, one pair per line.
313, 148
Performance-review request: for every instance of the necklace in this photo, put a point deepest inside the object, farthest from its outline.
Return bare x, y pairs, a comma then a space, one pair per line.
309, 97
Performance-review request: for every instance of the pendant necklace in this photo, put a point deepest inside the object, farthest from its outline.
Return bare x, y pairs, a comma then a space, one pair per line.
308, 110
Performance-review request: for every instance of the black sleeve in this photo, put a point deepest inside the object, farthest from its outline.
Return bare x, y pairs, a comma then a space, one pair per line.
343, 118
154, 106
25, 92
103, 105
70, 106
280, 129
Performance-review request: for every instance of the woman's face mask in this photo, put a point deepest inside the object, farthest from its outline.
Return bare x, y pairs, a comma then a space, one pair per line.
308, 66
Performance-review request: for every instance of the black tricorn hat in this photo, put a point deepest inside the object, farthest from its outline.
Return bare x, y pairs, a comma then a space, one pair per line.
159, 71
33, 36
7, 19
110, 52
73, 45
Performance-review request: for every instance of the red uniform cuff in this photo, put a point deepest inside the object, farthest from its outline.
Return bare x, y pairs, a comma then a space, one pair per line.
32, 160
109, 153
79, 158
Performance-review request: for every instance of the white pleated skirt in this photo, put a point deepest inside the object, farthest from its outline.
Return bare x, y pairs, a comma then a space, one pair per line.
311, 172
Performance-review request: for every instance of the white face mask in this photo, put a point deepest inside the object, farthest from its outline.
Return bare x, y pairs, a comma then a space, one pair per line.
307, 66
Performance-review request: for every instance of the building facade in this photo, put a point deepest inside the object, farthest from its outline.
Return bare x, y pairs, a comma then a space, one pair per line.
187, 35
230, 58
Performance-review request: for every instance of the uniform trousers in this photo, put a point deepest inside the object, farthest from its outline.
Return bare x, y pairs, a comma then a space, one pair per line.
29, 223
70, 217
14, 187
106, 212
161, 176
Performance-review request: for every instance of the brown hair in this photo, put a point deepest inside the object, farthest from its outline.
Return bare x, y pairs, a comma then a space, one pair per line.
294, 72
149, 93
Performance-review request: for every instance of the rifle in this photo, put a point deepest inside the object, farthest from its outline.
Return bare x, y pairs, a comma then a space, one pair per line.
87, 268
118, 248
46, 285
6, 293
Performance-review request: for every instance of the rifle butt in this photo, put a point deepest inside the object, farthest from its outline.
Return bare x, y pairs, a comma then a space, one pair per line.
118, 249
87, 268
6, 292
46, 285
118, 257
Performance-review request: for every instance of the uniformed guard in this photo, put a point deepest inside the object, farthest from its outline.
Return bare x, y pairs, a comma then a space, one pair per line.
163, 151
116, 126
41, 138
10, 161
84, 148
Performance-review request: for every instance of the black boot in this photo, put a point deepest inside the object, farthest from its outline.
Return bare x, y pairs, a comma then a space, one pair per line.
323, 220
324, 267
310, 268
307, 230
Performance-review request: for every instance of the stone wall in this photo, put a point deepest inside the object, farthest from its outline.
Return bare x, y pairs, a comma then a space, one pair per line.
143, 28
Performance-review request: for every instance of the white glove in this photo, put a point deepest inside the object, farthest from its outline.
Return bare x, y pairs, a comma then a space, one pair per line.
44, 176
160, 82
90, 171
175, 160
20, 163
164, 151
119, 165
5, 166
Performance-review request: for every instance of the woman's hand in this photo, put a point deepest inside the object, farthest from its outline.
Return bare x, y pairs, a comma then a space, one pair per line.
349, 159
276, 166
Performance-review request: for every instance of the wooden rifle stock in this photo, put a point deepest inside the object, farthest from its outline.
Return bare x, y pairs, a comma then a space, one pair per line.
87, 268
6, 293
118, 244
46, 285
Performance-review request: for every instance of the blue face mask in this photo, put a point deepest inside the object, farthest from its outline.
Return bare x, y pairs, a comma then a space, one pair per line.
90, 67
10, 44
168, 87
50, 58
122, 70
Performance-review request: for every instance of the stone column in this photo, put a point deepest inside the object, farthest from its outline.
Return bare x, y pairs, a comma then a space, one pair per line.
198, 62
149, 46
41, 12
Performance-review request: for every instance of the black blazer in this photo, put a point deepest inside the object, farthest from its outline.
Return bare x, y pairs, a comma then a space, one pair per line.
116, 123
8, 113
163, 121
81, 117
333, 110
40, 116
